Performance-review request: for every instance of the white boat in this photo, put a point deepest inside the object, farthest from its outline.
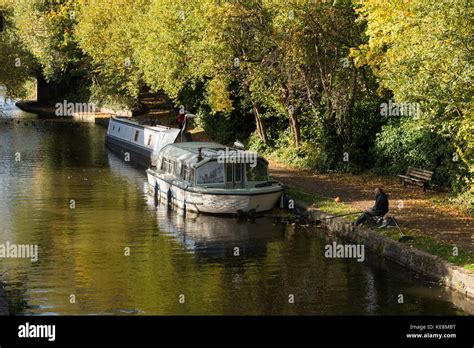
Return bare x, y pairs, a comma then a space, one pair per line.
136, 142
210, 178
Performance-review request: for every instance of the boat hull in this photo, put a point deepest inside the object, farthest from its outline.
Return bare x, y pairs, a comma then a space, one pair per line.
137, 155
212, 202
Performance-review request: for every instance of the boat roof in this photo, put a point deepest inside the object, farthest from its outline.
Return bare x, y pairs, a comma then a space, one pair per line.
189, 151
129, 122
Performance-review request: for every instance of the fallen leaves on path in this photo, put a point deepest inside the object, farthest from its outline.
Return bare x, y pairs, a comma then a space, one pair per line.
411, 206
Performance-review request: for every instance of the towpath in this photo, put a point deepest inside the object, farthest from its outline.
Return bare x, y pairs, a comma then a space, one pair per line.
410, 205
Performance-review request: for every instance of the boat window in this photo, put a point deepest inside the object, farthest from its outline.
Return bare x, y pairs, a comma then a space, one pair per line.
167, 165
149, 139
211, 173
163, 164
113, 127
170, 168
187, 173
119, 129
238, 172
257, 173
137, 133
228, 172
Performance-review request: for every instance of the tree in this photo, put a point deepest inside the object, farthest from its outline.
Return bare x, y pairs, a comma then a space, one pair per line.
241, 36
16, 64
167, 45
313, 68
422, 52
46, 30
105, 32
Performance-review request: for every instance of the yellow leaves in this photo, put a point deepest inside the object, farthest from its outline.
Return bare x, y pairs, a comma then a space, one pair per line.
417, 49
359, 55
218, 95
6, 3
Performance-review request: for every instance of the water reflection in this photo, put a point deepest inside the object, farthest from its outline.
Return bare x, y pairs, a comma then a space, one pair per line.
9, 110
216, 239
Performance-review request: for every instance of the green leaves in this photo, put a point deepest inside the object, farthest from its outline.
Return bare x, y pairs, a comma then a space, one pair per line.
46, 32
422, 51
106, 32
303, 70
16, 63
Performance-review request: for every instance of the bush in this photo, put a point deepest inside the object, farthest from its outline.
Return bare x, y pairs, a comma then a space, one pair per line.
256, 144
305, 157
407, 143
102, 96
225, 128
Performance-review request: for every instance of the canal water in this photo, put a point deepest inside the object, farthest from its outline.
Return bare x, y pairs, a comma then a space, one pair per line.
105, 248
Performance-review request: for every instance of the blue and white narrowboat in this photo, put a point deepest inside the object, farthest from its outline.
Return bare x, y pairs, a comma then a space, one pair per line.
136, 142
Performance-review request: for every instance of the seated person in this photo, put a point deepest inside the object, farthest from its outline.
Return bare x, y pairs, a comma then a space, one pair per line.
380, 208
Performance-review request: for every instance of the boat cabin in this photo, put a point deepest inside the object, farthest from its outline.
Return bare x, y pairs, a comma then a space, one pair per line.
142, 142
212, 165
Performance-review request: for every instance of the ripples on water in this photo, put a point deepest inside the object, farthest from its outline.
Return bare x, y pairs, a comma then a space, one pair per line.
82, 249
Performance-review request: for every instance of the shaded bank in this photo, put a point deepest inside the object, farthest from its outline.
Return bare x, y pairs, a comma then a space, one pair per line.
46, 110
37, 108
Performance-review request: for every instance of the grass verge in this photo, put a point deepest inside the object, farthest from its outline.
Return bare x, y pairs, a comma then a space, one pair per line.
421, 242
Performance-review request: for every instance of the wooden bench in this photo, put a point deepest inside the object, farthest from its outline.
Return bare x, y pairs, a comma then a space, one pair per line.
417, 176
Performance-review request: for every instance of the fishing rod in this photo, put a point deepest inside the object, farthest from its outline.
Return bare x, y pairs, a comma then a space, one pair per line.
404, 237
336, 216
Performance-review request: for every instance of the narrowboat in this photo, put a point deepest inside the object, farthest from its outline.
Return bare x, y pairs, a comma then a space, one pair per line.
210, 178
136, 142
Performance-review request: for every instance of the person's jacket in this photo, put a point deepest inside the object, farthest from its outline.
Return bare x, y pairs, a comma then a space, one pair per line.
180, 119
380, 207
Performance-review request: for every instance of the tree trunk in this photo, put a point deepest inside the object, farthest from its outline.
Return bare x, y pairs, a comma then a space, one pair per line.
285, 99
261, 130
295, 128
351, 107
